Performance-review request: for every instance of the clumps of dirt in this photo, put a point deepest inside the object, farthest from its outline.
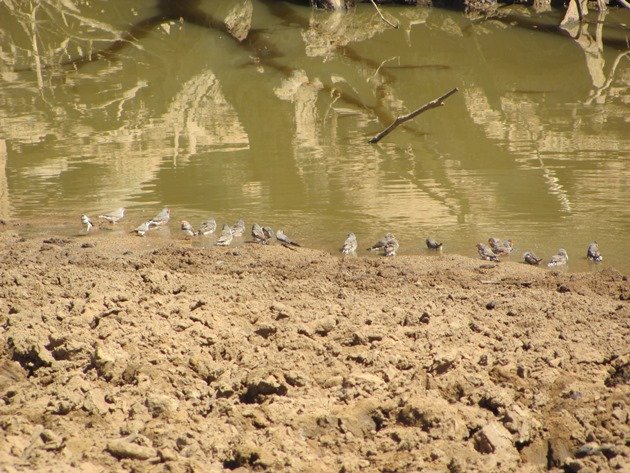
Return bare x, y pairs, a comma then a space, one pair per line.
133, 354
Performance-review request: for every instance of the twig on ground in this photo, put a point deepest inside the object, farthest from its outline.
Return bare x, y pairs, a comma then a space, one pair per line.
382, 17
402, 119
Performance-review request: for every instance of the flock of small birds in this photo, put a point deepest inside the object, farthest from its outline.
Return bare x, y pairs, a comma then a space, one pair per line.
388, 245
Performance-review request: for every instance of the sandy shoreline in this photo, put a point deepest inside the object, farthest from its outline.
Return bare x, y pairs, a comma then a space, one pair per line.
133, 354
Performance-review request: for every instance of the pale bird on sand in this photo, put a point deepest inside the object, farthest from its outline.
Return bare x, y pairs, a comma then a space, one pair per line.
87, 223
161, 218
142, 229
187, 228
226, 236
238, 228
207, 227
258, 235
114, 216
350, 245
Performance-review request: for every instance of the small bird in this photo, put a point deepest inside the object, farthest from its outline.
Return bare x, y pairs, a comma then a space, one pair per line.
391, 247
269, 233
592, 253
207, 227
486, 253
187, 228
559, 259
114, 216
238, 228
433, 245
350, 245
161, 219
501, 247
142, 229
282, 238
258, 235
226, 236
87, 223
531, 258
379, 245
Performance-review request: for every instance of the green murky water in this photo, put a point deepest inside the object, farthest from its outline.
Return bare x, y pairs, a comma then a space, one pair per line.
535, 146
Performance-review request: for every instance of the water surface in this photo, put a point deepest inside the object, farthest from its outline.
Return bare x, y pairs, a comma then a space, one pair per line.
270, 121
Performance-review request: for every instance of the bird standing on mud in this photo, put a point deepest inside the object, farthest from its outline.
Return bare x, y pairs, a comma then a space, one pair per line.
238, 228
141, 230
559, 259
161, 218
269, 233
531, 258
593, 253
114, 216
187, 228
226, 236
258, 235
433, 244
486, 253
282, 238
87, 223
207, 227
350, 245
499, 247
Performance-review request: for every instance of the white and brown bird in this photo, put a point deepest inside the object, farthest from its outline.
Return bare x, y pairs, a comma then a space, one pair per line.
87, 223
501, 248
282, 238
486, 253
141, 230
114, 216
258, 235
391, 247
531, 258
350, 245
593, 253
559, 259
207, 227
238, 228
161, 218
433, 244
187, 228
226, 236
269, 233
379, 245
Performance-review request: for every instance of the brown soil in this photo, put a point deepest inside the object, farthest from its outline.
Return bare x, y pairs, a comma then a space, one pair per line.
144, 354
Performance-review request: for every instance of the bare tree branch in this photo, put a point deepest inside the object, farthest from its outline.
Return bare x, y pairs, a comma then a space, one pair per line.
382, 17
624, 3
402, 119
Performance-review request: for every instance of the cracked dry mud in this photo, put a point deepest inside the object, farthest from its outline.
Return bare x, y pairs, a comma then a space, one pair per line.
132, 354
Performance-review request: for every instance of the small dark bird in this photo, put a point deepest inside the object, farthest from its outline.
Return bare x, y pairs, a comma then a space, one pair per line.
531, 258
559, 259
486, 253
433, 245
350, 245
593, 252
